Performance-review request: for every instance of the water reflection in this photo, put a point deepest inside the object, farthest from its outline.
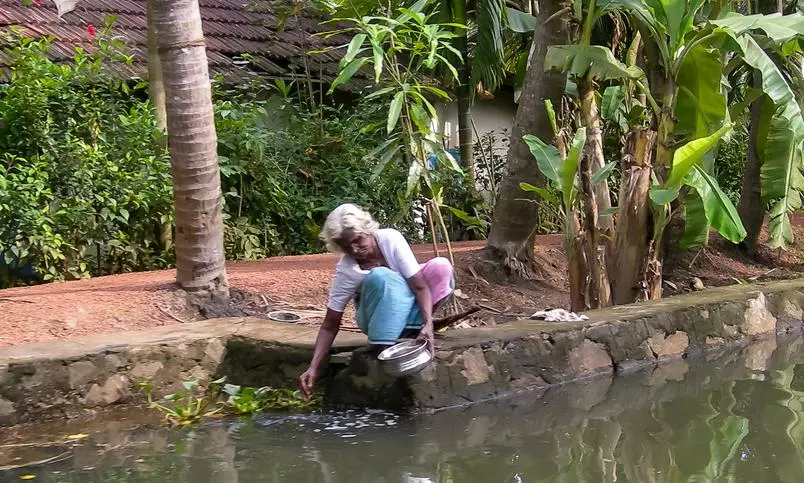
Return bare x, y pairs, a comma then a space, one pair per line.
736, 418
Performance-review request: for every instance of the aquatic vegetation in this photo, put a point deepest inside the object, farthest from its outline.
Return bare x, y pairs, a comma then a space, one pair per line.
196, 404
183, 408
248, 400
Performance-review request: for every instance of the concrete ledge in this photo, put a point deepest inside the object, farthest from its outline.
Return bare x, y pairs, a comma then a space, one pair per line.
74, 377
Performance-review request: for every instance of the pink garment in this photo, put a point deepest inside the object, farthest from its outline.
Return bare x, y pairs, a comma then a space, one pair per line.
439, 275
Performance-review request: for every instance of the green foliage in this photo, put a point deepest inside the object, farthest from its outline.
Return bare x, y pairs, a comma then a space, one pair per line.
86, 190
519, 21
195, 404
406, 52
593, 60
249, 400
781, 172
188, 407
82, 188
562, 173
488, 66
284, 168
701, 103
718, 209
730, 162
709, 205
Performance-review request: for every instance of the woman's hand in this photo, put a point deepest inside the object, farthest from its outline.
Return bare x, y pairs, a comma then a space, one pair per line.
307, 381
426, 334
323, 343
418, 285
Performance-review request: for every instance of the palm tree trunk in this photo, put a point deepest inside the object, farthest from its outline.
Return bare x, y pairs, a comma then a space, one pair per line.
515, 218
200, 257
157, 95
156, 85
750, 206
464, 98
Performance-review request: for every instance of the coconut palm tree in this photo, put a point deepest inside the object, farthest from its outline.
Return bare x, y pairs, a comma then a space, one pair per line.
200, 257
512, 230
156, 93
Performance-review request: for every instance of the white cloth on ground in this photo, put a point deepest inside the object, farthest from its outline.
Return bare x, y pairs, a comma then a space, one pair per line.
558, 315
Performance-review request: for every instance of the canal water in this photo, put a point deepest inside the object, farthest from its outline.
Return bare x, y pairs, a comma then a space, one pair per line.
734, 417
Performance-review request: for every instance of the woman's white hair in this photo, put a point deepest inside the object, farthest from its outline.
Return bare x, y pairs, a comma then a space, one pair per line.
346, 217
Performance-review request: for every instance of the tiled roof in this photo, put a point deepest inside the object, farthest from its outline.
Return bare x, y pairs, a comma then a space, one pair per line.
231, 28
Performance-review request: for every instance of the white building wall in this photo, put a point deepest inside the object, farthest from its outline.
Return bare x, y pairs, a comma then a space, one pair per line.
488, 114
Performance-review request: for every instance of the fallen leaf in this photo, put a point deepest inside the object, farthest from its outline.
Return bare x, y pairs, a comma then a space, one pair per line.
77, 436
27, 477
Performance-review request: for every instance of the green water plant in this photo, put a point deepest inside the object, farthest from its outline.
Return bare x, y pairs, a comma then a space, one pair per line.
195, 403
248, 400
190, 406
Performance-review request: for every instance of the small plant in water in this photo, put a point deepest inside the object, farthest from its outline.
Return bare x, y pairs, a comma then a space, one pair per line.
247, 400
183, 408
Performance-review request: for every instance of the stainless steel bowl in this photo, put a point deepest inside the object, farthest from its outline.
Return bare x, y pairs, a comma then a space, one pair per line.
281, 316
405, 358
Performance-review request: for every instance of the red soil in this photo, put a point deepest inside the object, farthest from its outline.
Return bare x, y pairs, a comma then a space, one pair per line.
135, 301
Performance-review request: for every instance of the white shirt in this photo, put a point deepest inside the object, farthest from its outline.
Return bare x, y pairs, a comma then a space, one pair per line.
349, 276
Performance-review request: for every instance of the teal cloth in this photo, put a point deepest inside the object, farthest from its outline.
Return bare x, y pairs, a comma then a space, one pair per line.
386, 307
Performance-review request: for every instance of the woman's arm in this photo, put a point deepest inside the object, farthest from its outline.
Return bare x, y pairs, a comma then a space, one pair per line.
323, 343
418, 285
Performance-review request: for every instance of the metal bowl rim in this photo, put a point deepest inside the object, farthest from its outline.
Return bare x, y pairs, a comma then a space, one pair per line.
388, 355
275, 316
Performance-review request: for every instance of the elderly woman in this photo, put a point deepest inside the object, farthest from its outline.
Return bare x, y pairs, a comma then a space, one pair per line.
393, 294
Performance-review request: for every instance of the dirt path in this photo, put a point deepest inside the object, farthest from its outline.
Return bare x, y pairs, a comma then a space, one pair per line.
135, 301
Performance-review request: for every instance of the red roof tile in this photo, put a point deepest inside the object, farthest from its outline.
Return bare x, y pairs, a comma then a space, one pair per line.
231, 28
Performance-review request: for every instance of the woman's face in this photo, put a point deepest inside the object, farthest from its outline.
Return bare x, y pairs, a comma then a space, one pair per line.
359, 246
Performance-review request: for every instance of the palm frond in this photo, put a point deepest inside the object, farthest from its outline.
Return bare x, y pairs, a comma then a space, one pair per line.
515, 45
488, 60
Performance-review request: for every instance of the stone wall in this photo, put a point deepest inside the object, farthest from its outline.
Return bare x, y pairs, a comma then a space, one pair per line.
68, 384
77, 376
474, 365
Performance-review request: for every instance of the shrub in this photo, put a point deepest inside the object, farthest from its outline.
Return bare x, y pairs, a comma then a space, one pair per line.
284, 168
86, 190
82, 189
730, 162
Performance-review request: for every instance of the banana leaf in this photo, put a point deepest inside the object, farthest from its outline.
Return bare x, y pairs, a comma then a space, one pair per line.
696, 226
781, 178
777, 27
594, 60
701, 104
719, 211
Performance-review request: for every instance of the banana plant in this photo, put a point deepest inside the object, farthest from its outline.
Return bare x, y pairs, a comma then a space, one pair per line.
686, 111
782, 137
562, 173
693, 58
587, 65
